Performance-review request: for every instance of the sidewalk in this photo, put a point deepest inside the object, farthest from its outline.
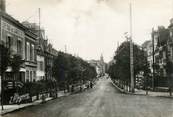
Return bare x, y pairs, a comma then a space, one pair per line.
152, 93
12, 108
143, 92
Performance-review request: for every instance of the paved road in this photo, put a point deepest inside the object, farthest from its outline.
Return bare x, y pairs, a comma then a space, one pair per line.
102, 101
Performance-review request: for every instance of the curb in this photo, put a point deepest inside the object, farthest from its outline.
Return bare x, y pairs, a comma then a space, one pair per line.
17, 109
37, 103
129, 93
121, 90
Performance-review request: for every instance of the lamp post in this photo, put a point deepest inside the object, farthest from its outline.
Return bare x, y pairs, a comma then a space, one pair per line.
153, 57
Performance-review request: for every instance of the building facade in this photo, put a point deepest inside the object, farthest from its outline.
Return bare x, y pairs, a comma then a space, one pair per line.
30, 57
13, 37
100, 65
50, 56
21, 41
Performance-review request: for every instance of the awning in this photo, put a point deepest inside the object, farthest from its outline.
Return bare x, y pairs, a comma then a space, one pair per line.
22, 70
9, 69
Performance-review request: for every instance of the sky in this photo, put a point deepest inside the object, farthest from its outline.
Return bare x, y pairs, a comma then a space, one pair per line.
90, 28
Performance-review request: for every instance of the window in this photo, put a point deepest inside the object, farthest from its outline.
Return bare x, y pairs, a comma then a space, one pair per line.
38, 65
164, 72
34, 76
41, 65
9, 42
32, 53
28, 51
19, 47
31, 76
164, 55
27, 76
171, 34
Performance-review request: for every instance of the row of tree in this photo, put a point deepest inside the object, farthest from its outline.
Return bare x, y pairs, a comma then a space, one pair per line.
120, 69
69, 70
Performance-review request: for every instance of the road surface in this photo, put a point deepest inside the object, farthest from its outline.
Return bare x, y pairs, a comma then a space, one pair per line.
101, 101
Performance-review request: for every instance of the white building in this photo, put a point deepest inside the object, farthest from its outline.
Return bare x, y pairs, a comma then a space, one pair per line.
40, 74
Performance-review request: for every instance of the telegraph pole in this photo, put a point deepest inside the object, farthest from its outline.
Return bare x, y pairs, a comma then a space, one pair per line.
39, 15
153, 53
2, 78
131, 53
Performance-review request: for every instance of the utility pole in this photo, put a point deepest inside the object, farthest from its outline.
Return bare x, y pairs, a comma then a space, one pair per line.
153, 53
39, 15
131, 53
2, 79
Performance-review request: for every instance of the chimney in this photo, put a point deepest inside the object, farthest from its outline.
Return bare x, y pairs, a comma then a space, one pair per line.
3, 5
171, 21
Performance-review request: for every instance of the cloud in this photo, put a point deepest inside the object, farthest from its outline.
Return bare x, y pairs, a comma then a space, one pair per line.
92, 27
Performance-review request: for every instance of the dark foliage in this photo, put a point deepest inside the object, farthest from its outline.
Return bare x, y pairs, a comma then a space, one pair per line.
120, 70
68, 69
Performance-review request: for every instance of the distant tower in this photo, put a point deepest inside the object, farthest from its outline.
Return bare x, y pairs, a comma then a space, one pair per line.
101, 58
3, 5
102, 63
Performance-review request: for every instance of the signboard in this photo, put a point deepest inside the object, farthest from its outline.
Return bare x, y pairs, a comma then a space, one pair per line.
16, 99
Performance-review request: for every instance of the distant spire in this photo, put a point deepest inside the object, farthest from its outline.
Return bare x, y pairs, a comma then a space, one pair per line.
101, 58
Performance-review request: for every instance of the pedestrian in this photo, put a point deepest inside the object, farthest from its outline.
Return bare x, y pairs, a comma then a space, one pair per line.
72, 88
80, 88
43, 98
91, 85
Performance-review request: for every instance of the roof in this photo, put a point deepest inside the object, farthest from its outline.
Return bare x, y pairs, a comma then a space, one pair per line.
146, 43
16, 22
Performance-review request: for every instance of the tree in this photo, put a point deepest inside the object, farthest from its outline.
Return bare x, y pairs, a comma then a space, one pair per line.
70, 70
4, 58
120, 70
4, 62
16, 63
60, 68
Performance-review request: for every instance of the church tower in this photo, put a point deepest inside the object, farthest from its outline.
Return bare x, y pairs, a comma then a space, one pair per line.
3, 5
101, 58
102, 63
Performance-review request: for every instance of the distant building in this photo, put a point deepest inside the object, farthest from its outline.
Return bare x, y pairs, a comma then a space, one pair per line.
147, 46
99, 65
